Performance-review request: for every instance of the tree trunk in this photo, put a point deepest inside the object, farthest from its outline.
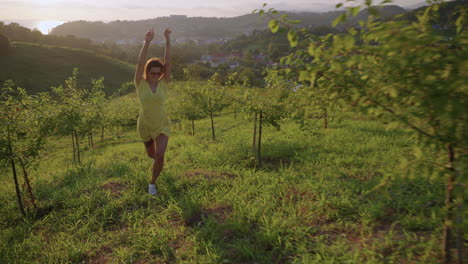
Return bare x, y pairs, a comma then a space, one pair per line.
212, 126
448, 222
77, 147
325, 118
193, 127
459, 219
102, 134
28, 184
92, 143
259, 156
74, 149
254, 142
18, 193
15, 176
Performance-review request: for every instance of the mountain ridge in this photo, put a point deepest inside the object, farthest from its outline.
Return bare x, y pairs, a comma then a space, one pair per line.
200, 29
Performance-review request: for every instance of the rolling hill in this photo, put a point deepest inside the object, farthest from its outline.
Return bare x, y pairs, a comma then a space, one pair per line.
36, 67
201, 29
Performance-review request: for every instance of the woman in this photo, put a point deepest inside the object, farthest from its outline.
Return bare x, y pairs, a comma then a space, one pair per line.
151, 80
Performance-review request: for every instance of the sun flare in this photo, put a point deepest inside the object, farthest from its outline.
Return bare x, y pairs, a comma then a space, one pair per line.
46, 25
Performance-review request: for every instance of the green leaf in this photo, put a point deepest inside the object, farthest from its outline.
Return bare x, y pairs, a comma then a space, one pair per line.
293, 38
273, 25
460, 22
354, 10
393, 92
312, 78
339, 5
311, 49
418, 153
303, 75
393, 125
261, 12
349, 42
339, 19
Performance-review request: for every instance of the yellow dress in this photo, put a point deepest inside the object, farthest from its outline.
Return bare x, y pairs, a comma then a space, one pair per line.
153, 118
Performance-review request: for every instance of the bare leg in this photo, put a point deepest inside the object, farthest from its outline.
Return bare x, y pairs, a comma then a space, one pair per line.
158, 163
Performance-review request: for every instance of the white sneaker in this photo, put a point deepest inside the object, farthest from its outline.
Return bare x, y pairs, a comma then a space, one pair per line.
152, 189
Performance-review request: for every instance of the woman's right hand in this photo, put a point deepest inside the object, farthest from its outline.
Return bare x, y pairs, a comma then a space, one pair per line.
149, 35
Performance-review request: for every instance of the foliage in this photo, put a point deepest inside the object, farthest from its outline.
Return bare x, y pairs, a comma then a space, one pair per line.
397, 70
184, 102
24, 123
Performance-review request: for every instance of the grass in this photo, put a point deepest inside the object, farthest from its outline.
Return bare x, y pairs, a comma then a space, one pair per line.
314, 200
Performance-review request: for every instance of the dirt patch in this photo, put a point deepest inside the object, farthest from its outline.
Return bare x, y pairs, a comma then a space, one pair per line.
219, 213
144, 261
276, 161
175, 219
294, 195
116, 187
119, 228
207, 174
99, 256
181, 244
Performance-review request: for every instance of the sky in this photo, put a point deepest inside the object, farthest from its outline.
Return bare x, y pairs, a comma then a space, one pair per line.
109, 10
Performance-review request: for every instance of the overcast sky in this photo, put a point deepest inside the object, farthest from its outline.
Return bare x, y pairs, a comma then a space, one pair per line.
107, 10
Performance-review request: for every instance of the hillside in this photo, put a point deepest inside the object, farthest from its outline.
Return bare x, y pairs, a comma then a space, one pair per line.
201, 29
38, 67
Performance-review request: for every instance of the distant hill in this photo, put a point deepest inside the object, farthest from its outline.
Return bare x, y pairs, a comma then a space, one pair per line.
410, 7
447, 12
38, 67
201, 29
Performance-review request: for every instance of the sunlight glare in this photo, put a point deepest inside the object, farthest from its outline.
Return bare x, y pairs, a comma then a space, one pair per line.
46, 25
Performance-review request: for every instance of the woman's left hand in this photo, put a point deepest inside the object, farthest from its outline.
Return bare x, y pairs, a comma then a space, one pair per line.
167, 34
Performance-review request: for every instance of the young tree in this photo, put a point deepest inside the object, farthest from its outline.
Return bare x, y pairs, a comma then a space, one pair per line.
24, 123
266, 106
184, 104
93, 109
212, 100
69, 112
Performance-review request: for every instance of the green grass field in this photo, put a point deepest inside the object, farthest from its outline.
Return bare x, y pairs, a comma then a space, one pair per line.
313, 201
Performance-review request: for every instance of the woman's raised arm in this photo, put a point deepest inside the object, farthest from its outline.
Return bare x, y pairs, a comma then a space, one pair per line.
167, 55
142, 58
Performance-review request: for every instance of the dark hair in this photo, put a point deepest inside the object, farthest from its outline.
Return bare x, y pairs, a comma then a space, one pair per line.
153, 62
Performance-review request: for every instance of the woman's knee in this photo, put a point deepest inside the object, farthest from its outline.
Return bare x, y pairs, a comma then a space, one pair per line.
150, 149
150, 154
